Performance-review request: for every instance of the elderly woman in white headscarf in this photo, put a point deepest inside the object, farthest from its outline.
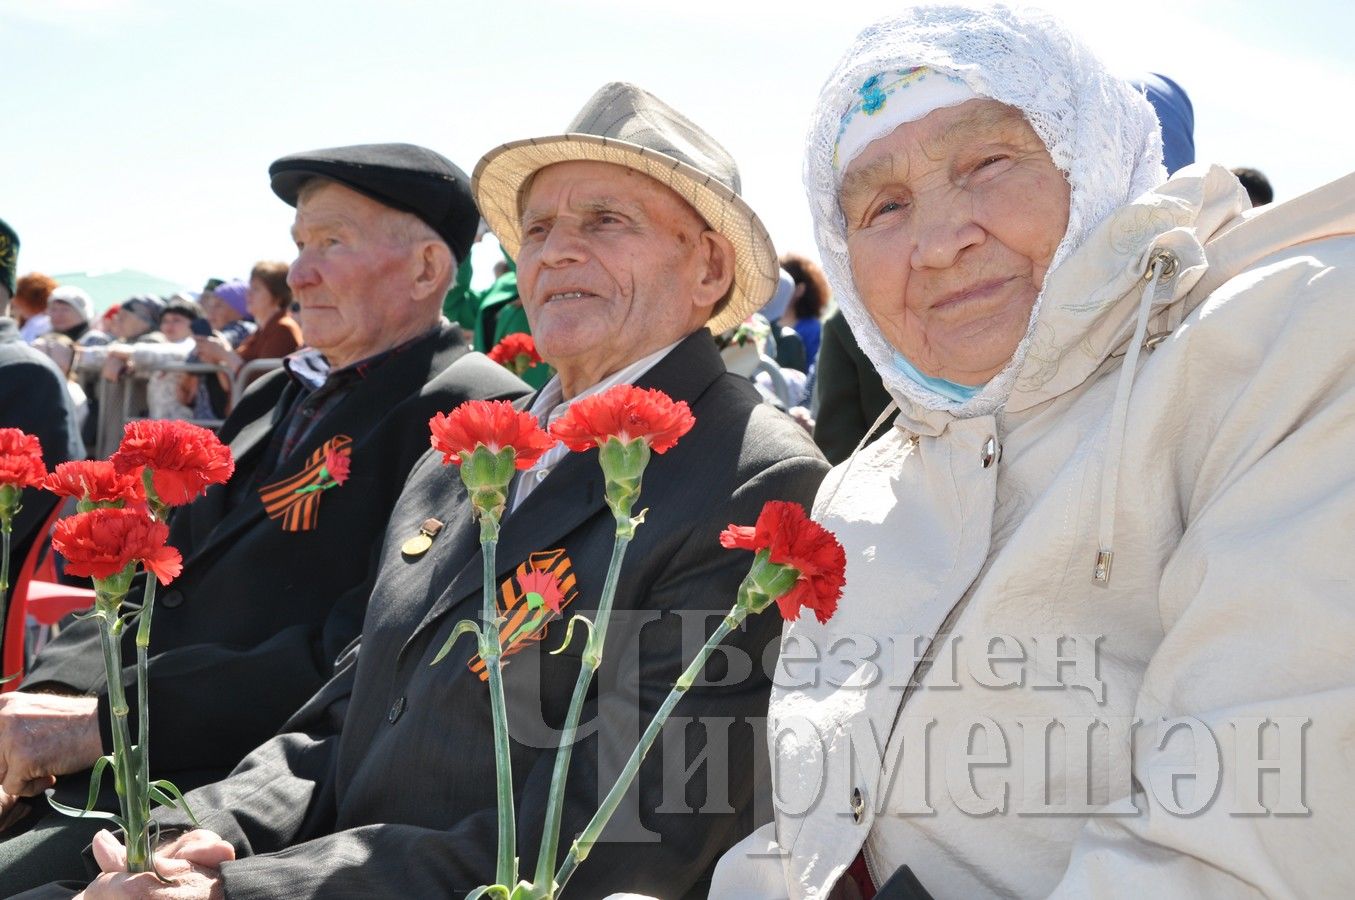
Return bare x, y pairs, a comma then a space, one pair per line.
1100, 609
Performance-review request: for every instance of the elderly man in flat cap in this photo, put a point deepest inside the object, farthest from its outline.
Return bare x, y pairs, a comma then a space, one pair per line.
272, 590
633, 245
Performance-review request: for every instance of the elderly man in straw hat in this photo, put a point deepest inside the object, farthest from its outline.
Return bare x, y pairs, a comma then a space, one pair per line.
633, 245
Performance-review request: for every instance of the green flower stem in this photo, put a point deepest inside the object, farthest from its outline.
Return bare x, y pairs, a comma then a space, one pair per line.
592, 658
143, 746
5, 528
491, 653
589, 836
132, 795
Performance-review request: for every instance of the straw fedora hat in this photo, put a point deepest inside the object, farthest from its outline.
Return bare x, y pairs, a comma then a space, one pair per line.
627, 126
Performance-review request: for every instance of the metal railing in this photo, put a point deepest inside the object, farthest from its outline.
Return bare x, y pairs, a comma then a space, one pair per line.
124, 400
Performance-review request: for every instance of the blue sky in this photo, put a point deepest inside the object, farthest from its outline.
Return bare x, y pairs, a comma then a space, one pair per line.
139, 132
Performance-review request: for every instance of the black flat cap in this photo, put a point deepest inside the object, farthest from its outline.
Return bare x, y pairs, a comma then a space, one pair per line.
402, 176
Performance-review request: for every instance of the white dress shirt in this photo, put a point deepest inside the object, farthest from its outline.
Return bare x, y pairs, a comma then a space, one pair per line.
550, 405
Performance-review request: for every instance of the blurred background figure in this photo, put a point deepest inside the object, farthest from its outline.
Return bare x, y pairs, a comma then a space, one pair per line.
61, 350
70, 310
1176, 115
228, 315
115, 399
9, 263
848, 393
149, 358
808, 302
29, 305
267, 299
786, 347
1256, 184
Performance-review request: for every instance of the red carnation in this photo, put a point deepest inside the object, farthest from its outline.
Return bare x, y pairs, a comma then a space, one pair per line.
96, 481
627, 413
20, 459
184, 459
337, 464
496, 425
543, 584
793, 539
103, 542
516, 352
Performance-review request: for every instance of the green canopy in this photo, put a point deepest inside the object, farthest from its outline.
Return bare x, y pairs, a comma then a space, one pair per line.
107, 288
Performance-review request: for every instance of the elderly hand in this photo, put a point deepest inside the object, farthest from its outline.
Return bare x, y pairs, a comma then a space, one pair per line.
113, 368
214, 349
191, 862
42, 736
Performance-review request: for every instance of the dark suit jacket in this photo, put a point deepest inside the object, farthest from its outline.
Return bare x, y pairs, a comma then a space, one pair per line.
253, 625
33, 397
398, 799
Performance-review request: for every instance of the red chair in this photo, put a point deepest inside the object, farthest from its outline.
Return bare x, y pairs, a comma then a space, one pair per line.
37, 593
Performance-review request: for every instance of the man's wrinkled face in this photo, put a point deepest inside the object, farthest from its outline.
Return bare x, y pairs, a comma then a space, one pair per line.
952, 222
611, 266
352, 276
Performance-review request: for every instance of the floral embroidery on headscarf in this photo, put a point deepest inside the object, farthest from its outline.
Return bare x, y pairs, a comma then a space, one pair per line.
875, 91
872, 98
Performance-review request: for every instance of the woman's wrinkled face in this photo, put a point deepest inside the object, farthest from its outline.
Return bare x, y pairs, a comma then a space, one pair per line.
952, 222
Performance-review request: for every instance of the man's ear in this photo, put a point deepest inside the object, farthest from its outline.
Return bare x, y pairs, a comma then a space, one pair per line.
717, 274
432, 271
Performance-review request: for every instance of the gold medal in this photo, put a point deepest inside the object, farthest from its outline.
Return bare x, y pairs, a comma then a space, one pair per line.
418, 545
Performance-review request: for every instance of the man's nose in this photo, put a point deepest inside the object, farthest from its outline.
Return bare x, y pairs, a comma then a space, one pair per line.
944, 230
301, 273
564, 243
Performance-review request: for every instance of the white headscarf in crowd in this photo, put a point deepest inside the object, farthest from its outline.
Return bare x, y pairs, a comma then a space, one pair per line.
1100, 132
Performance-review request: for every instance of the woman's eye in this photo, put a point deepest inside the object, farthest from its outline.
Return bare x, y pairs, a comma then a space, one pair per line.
887, 207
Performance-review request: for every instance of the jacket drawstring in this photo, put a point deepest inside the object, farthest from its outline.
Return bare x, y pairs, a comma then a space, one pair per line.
889, 410
1160, 273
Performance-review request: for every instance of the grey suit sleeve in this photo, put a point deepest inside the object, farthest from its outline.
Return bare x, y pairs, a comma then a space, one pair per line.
383, 860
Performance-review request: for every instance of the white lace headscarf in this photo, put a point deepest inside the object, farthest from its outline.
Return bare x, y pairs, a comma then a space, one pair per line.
1100, 132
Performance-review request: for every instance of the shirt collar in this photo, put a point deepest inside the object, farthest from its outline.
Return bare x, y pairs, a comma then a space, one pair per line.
550, 404
309, 367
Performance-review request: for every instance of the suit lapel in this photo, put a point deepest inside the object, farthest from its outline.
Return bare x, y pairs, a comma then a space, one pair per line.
570, 495
368, 402
210, 519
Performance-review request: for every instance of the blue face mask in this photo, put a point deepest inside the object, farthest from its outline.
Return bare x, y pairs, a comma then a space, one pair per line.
948, 389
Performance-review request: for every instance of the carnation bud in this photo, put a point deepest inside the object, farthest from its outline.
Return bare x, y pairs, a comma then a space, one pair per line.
487, 475
765, 582
9, 502
623, 465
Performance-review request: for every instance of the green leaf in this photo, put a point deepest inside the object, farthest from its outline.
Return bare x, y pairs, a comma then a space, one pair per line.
465, 626
497, 891
528, 891
166, 794
569, 632
89, 812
